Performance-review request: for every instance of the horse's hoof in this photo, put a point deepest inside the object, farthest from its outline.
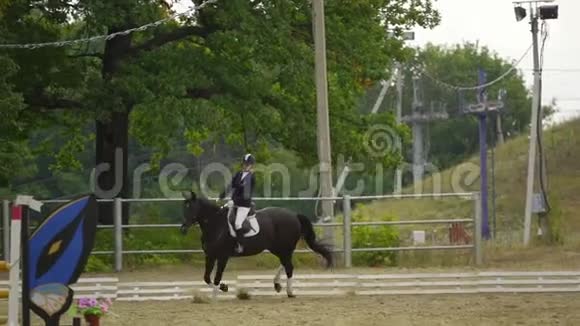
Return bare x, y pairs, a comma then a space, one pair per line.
291, 296
224, 287
277, 287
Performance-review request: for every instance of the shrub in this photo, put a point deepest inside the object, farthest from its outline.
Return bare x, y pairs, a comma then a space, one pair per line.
373, 237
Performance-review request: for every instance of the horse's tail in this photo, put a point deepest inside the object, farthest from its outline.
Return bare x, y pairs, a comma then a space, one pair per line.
310, 238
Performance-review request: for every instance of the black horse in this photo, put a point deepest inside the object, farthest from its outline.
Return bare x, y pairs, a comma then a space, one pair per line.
279, 231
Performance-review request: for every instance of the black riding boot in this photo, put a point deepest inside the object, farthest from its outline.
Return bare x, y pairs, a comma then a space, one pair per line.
239, 237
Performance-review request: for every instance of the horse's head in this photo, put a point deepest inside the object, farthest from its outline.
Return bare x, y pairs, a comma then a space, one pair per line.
191, 208
197, 210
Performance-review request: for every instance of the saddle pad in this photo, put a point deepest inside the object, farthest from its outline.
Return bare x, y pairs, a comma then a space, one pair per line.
251, 223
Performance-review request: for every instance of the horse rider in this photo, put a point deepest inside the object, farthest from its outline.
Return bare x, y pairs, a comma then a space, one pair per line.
242, 187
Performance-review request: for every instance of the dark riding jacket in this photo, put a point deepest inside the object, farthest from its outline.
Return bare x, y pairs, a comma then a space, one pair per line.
241, 188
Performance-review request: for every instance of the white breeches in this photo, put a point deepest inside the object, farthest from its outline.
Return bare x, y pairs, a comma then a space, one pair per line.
241, 215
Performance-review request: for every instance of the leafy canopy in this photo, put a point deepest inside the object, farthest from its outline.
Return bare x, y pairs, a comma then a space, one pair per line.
237, 71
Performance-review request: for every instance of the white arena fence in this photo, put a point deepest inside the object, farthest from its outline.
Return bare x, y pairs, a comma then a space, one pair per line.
347, 225
324, 285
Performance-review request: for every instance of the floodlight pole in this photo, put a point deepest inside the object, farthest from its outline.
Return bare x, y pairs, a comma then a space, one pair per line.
533, 131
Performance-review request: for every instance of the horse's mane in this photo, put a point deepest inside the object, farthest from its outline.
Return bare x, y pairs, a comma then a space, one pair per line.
208, 202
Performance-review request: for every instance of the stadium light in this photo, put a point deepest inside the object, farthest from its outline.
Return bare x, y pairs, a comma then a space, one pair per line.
549, 12
520, 13
542, 12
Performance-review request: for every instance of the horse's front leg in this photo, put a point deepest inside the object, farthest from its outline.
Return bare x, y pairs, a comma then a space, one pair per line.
209, 264
221, 266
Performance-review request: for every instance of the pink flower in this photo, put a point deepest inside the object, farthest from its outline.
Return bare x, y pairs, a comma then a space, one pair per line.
84, 303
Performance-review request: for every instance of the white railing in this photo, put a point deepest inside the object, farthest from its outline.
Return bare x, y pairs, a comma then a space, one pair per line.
323, 285
346, 226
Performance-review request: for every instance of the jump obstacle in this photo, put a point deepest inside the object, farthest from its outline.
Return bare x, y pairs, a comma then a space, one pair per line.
12, 293
47, 267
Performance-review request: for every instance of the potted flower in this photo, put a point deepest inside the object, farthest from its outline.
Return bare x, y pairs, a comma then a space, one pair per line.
93, 309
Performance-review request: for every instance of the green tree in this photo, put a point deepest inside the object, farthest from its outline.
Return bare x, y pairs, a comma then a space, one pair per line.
236, 71
14, 150
453, 140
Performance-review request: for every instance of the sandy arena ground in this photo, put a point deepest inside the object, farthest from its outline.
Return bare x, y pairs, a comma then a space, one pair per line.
464, 310
408, 310
447, 310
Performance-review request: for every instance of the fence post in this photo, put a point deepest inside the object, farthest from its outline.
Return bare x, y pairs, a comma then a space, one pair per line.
347, 228
477, 230
117, 215
6, 229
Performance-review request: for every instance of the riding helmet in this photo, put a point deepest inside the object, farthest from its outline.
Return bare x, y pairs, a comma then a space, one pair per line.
249, 159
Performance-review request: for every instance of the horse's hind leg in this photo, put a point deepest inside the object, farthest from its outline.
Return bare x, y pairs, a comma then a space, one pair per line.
287, 263
277, 285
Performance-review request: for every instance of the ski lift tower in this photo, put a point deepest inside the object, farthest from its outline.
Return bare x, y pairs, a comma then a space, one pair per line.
481, 110
419, 118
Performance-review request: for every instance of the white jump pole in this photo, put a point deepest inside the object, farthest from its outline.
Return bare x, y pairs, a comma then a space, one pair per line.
14, 296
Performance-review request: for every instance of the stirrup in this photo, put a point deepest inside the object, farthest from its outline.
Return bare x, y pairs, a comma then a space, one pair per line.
239, 249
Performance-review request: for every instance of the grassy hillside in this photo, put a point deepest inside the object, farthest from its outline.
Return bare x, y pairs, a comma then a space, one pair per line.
562, 150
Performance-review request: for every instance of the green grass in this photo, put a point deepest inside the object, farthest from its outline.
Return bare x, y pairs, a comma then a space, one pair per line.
562, 149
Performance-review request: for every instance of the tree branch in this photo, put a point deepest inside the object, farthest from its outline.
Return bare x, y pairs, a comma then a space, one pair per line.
202, 93
45, 103
87, 55
176, 35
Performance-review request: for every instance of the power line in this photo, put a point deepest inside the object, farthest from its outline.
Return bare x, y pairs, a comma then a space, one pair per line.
568, 109
479, 87
32, 46
563, 70
568, 99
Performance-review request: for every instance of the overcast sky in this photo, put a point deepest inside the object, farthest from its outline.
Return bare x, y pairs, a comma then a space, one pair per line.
493, 24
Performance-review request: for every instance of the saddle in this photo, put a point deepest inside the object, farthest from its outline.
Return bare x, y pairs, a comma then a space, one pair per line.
250, 226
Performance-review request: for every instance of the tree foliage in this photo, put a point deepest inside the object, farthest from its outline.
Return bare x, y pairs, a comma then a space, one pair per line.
451, 141
236, 71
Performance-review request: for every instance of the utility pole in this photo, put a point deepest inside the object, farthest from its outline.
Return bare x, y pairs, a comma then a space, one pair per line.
499, 131
533, 132
323, 126
399, 116
418, 163
541, 12
482, 98
382, 94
